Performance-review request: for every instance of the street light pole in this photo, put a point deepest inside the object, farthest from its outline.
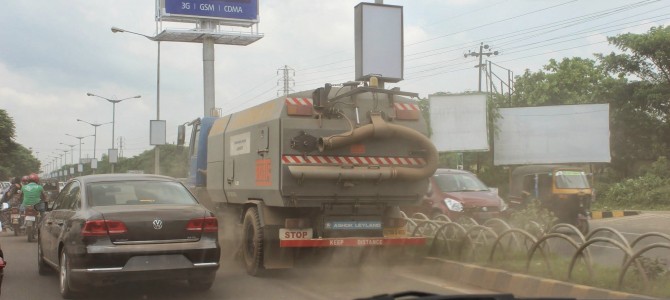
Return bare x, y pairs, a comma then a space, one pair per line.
114, 102
95, 134
79, 138
71, 151
158, 88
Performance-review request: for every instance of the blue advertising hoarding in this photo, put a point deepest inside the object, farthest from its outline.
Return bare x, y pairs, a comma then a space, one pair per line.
242, 11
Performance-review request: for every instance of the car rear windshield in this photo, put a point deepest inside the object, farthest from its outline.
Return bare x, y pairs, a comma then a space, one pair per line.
571, 180
137, 192
459, 182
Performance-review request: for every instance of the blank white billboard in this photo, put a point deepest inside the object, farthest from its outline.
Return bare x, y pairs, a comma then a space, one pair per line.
553, 134
378, 36
157, 129
458, 122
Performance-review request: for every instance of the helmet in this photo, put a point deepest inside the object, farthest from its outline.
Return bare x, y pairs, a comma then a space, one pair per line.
33, 178
24, 178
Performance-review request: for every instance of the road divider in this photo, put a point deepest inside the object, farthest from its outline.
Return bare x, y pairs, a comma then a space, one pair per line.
602, 214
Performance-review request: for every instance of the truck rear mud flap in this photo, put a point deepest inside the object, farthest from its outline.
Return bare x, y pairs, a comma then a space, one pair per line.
353, 242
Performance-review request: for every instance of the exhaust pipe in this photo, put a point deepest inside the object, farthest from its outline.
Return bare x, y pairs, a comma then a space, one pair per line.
377, 129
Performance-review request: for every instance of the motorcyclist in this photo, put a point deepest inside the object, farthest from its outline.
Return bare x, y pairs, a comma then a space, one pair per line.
32, 192
13, 192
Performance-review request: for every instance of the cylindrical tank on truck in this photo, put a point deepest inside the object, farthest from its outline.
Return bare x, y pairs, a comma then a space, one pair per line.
321, 168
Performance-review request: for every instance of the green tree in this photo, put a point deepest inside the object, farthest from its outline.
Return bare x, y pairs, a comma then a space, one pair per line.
174, 162
638, 130
645, 107
6, 143
570, 81
15, 159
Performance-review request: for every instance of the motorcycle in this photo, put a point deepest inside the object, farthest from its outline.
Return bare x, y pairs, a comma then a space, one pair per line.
16, 220
32, 217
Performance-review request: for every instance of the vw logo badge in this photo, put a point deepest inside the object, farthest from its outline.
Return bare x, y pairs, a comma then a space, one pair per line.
158, 224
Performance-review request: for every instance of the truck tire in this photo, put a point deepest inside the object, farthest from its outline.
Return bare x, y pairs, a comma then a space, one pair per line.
252, 247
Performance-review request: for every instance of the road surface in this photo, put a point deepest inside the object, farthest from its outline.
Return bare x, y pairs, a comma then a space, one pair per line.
323, 281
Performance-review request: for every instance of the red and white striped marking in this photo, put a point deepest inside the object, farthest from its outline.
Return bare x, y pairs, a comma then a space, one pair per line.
353, 160
406, 106
299, 101
353, 242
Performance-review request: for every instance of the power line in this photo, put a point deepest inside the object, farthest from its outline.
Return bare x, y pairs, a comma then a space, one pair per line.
324, 74
492, 23
436, 66
574, 20
559, 41
499, 38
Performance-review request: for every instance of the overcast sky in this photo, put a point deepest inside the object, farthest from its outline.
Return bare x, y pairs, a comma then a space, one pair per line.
54, 52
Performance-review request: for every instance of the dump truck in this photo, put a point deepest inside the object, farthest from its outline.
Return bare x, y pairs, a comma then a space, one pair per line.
327, 167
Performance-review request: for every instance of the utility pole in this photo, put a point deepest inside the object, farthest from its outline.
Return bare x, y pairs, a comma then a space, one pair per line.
480, 66
286, 80
480, 54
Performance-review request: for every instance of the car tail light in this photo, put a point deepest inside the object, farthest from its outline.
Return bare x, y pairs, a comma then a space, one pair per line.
207, 224
2, 263
103, 228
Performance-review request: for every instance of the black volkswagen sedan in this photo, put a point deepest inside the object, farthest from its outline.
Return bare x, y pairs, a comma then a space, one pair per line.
104, 229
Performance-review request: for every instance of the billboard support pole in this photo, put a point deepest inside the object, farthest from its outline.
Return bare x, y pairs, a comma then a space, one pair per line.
208, 69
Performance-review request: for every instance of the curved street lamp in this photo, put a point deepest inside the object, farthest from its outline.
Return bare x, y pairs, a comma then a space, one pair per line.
114, 102
95, 133
71, 151
158, 87
80, 143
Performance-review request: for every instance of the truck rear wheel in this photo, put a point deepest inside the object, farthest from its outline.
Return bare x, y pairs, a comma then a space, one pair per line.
252, 248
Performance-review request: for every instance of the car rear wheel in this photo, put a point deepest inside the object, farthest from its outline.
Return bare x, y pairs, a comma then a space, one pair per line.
65, 280
253, 242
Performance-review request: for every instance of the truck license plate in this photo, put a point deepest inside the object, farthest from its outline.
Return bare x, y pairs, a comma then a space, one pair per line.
295, 234
30, 218
353, 225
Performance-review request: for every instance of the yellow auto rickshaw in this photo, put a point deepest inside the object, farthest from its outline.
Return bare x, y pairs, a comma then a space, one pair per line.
565, 191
